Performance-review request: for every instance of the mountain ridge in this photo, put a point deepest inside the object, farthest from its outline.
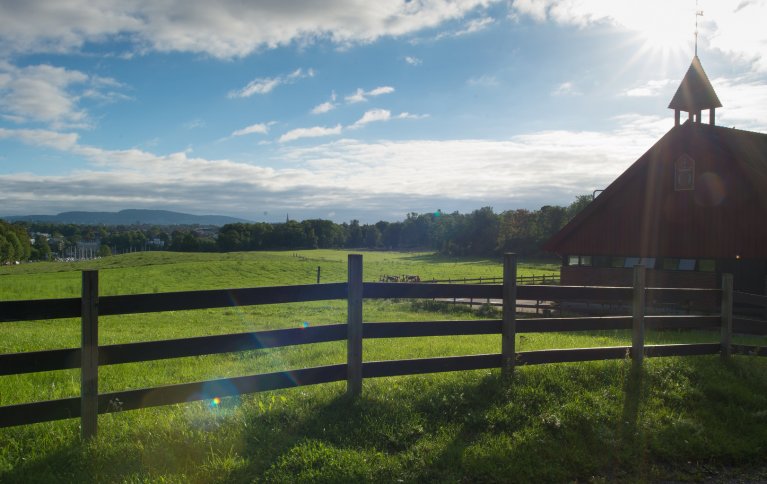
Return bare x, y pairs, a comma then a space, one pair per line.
128, 217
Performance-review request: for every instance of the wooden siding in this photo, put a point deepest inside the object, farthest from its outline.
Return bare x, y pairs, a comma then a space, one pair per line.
640, 214
609, 276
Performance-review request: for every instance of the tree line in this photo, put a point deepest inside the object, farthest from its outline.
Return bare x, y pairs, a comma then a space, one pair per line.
481, 232
14, 243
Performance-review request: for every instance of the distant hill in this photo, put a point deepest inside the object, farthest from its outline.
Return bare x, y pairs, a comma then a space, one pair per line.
129, 217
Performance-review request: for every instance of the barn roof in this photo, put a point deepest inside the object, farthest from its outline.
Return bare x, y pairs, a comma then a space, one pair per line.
643, 214
695, 93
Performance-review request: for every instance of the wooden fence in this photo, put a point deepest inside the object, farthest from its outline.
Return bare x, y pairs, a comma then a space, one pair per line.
91, 356
521, 280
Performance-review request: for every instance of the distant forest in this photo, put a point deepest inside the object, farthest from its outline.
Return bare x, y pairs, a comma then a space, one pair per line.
479, 233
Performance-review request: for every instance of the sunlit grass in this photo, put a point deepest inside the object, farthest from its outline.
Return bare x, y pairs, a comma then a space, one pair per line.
594, 421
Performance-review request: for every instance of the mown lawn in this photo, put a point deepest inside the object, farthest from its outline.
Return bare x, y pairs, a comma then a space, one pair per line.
679, 418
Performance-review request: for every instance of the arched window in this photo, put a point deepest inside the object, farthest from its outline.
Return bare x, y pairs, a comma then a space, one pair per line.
684, 173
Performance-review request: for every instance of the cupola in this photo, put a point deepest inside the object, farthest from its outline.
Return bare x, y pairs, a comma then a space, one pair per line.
695, 94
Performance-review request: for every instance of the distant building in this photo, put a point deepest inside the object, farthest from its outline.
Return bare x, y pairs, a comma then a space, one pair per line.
693, 207
156, 242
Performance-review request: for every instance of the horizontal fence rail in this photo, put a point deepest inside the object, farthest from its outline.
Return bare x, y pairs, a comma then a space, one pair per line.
355, 369
34, 310
521, 280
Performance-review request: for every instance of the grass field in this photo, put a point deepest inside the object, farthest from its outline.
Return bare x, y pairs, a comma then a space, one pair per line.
689, 417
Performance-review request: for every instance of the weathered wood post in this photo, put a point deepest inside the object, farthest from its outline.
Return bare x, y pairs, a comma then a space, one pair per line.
764, 313
727, 284
89, 355
354, 326
637, 335
509, 326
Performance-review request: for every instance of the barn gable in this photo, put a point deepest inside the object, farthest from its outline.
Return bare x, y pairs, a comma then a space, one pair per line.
694, 202
646, 212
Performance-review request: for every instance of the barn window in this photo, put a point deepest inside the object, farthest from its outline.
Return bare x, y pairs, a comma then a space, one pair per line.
670, 264
579, 260
686, 264
703, 265
648, 262
684, 173
618, 262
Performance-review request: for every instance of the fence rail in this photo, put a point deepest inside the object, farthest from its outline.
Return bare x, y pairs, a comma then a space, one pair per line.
521, 280
91, 355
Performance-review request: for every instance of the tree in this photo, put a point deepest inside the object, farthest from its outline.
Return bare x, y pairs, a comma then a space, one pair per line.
390, 235
6, 250
372, 236
42, 250
354, 236
581, 202
517, 232
483, 229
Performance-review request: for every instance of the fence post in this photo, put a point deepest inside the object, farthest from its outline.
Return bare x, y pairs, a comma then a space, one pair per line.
89, 355
509, 326
727, 284
354, 326
318, 274
764, 313
637, 336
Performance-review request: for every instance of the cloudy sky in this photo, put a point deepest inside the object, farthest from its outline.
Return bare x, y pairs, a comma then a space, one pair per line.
347, 109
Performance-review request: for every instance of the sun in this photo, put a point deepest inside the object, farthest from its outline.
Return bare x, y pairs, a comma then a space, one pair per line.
666, 29
660, 27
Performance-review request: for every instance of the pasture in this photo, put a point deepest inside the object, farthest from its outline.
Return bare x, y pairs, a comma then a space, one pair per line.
586, 421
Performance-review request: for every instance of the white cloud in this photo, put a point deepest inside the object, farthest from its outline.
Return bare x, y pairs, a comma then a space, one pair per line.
265, 85
378, 115
42, 138
381, 90
352, 178
194, 124
743, 103
407, 115
565, 89
225, 29
650, 88
323, 108
735, 28
413, 61
483, 81
314, 132
372, 116
51, 95
472, 26
259, 128
361, 95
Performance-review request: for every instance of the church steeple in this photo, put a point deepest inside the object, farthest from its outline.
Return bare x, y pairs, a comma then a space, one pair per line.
695, 94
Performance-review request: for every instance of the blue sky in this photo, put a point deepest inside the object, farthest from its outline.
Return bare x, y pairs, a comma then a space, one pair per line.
347, 109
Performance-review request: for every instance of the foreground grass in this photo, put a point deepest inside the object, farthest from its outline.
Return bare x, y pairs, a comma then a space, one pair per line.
594, 421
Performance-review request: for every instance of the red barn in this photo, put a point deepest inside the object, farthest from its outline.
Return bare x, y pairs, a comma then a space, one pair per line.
692, 207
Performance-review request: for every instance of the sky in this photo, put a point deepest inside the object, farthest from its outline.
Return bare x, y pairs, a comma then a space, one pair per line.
350, 109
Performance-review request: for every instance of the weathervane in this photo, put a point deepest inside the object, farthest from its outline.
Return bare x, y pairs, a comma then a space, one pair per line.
698, 13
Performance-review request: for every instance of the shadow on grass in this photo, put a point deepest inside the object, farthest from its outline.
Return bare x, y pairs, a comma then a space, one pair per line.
383, 437
676, 418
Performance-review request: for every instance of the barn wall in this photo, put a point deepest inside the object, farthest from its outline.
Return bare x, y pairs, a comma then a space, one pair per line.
645, 216
608, 276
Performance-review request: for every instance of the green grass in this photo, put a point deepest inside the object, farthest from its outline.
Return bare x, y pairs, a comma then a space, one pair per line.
679, 418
